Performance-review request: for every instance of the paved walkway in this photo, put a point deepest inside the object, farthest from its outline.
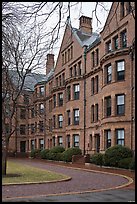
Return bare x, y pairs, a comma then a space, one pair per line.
83, 181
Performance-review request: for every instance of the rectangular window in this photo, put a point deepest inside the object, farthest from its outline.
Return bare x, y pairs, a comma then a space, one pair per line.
41, 90
76, 91
92, 86
108, 47
68, 54
68, 141
76, 116
22, 129
71, 51
79, 68
50, 125
71, 72
108, 105
115, 40
60, 141
54, 121
96, 79
53, 141
124, 39
60, 121
50, 105
32, 128
41, 144
32, 144
93, 59
60, 80
41, 108
75, 70
63, 79
122, 9
57, 82
120, 135
108, 138
109, 73
22, 113
76, 140
62, 58
41, 126
120, 70
97, 57
60, 98
68, 117
68, 93
54, 100
92, 113
96, 111
120, 99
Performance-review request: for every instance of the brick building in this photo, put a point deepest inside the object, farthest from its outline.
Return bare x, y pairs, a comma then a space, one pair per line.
88, 98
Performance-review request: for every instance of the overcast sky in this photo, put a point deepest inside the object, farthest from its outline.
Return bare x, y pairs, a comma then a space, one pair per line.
86, 8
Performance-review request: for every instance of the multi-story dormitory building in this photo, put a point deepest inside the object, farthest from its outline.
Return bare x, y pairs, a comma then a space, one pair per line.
88, 98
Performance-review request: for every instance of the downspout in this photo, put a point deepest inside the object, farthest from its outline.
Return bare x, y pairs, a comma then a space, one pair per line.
85, 48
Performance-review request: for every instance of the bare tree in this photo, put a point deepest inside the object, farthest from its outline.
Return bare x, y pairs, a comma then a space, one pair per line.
27, 36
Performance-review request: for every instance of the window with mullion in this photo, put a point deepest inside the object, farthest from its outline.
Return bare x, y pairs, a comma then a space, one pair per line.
76, 140
60, 140
124, 39
120, 136
76, 91
120, 70
76, 116
108, 106
108, 138
120, 104
68, 93
60, 121
109, 73
68, 116
60, 96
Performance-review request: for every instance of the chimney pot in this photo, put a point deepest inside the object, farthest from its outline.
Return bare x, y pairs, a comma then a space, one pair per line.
49, 63
85, 24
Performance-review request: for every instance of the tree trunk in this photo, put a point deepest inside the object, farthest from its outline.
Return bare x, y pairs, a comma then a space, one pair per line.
4, 160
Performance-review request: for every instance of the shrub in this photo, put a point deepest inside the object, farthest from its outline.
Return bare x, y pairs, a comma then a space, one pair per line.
97, 159
124, 163
57, 149
35, 153
114, 154
132, 164
43, 153
67, 154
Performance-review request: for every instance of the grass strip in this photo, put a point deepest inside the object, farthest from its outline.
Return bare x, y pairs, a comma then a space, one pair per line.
18, 173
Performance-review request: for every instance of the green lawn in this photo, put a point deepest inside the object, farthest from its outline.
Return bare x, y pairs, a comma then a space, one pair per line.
18, 173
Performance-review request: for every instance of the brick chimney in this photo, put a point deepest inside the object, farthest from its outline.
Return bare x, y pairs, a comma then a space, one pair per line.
49, 63
85, 24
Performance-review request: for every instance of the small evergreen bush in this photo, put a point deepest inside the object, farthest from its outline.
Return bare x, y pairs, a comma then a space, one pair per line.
114, 154
57, 149
97, 159
35, 153
43, 153
68, 153
124, 163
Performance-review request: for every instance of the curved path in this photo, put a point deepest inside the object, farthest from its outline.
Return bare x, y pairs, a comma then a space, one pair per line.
82, 181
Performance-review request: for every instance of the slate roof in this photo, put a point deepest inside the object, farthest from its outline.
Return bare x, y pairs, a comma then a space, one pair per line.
84, 38
31, 79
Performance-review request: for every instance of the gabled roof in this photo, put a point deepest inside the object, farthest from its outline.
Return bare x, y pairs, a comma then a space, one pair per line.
31, 79
84, 38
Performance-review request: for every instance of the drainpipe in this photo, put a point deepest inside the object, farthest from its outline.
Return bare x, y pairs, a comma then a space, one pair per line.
84, 96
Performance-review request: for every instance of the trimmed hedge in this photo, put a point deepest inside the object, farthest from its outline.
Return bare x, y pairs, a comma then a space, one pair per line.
68, 153
97, 159
57, 149
35, 153
125, 163
43, 153
114, 154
